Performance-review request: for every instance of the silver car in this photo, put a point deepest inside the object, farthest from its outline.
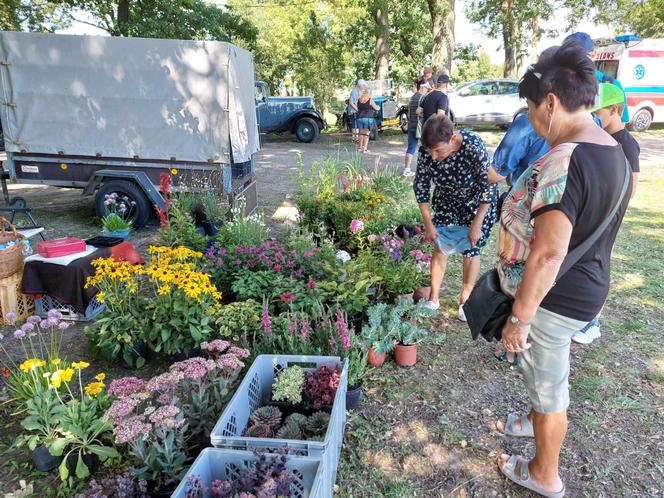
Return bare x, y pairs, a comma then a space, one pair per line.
494, 102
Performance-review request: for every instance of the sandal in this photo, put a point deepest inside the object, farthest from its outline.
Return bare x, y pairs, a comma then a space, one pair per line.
526, 429
503, 357
523, 479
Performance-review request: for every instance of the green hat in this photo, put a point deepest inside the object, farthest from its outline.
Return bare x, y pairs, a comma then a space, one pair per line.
609, 94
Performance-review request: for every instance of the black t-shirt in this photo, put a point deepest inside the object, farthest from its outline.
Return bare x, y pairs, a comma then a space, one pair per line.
630, 147
595, 177
433, 102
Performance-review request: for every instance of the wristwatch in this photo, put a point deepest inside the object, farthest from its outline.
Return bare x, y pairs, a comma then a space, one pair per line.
515, 320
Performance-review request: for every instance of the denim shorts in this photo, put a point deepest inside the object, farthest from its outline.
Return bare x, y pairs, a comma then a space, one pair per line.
412, 142
545, 366
365, 123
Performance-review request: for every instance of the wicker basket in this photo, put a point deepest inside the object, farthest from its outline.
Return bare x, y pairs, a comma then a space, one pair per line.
11, 258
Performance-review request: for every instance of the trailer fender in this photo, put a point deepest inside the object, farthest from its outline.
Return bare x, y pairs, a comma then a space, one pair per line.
138, 177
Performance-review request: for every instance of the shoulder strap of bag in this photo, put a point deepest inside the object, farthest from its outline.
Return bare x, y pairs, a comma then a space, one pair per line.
573, 257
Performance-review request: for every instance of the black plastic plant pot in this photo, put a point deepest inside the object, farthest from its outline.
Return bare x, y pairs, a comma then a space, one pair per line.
91, 461
162, 492
186, 355
43, 460
353, 397
356, 323
137, 350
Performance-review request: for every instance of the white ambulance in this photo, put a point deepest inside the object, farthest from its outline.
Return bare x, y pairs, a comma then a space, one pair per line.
638, 64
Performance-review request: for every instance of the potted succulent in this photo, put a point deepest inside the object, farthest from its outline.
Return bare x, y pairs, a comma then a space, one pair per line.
407, 331
376, 334
116, 222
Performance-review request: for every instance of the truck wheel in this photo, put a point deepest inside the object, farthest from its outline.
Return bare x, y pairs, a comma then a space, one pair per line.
403, 121
140, 208
641, 121
306, 130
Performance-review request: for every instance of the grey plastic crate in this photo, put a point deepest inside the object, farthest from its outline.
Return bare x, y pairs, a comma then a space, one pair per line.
217, 463
47, 303
256, 391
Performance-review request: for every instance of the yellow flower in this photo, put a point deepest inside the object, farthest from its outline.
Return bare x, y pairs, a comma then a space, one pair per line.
60, 376
80, 365
100, 376
55, 361
94, 388
28, 365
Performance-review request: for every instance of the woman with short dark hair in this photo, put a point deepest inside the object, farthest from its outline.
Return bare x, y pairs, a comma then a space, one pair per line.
456, 163
559, 203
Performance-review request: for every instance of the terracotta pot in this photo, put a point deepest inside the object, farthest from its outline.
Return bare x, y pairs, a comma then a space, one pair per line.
403, 298
405, 356
375, 359
421, 293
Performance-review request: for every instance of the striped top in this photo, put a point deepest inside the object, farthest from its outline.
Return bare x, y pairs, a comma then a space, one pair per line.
412, 110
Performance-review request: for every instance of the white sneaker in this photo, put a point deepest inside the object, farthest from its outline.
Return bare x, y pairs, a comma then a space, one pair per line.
462, 314
432, 305
408, 172
588, 334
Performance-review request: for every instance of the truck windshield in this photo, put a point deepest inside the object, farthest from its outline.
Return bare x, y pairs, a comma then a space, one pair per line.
609, 68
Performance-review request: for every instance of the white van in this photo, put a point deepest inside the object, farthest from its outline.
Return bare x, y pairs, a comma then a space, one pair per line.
639, 67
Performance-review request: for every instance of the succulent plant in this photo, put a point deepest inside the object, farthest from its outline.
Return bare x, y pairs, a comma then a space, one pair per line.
267, 415
317, 423
288, 385
258, 431
296, 418
289, 431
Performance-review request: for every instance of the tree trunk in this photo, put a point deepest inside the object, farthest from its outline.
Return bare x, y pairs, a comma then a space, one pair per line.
382, 51
509, 40
442, 28
123, 18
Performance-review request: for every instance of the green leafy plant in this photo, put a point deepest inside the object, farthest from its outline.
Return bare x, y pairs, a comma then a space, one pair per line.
239, 321
404, 323
376, 332
44, 412
243, 229
118, 209
357, 362
181, 230
288, 385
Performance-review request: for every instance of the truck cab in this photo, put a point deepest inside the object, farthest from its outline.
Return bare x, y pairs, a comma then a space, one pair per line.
297, 115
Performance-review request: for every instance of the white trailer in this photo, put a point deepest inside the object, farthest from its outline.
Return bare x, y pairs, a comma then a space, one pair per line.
110, 114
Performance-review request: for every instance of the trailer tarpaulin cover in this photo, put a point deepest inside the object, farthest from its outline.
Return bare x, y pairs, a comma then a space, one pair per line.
127, 97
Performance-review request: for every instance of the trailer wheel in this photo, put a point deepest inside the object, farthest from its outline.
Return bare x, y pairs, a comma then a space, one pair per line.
140, 209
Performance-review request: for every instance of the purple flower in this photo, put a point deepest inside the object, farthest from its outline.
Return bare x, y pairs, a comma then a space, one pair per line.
52, 322
126, 386
131, 430
27, 327
277, 267
311, 284
34, 319
44, 324
266, 321
298, 273
54, 314
239, 352
306, 254
305, 328
165, 417
19, 333
356, 226
10, 317
218, 345
238, 261
121, 409
164, 383
63, 325
194, 368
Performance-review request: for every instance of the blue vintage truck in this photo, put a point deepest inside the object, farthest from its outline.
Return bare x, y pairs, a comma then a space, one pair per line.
297, 115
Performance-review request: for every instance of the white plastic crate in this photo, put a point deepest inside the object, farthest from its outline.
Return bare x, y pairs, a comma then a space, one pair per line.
47, 303
217, 463
255, 391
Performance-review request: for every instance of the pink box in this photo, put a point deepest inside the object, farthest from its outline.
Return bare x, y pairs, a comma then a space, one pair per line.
60, 247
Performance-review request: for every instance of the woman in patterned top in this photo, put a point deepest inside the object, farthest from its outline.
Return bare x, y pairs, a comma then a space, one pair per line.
554, 207
457, 164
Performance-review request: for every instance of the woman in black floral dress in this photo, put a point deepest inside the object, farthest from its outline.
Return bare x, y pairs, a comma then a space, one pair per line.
456, 162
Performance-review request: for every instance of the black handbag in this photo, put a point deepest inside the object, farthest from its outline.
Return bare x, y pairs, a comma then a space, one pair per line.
488, 307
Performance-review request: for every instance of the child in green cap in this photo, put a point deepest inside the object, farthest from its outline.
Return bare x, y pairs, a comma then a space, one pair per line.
609, 111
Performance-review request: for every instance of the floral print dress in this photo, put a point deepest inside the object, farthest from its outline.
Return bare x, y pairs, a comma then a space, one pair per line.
460, 185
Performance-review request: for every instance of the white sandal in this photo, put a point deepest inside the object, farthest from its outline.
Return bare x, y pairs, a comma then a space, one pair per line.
523, 479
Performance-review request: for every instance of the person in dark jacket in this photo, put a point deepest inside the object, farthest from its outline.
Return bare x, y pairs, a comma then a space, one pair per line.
422, 87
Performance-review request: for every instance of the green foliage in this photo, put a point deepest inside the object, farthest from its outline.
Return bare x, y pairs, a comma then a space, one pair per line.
296, 419
357, 362
181, 229
211, 203
288, 385
290, 431
400, 323
44, 412
239, 319
473, 63
376, 333
115, 334
266, 415
645, 18
317, 424
243, 230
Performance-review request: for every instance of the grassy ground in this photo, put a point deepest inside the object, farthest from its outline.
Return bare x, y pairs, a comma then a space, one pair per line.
427, 431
